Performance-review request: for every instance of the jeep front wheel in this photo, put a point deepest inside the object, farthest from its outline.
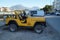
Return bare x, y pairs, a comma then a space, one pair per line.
13, 27
38, 28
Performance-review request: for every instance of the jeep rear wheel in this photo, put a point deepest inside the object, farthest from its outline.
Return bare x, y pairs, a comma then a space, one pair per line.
13, 27
38, 28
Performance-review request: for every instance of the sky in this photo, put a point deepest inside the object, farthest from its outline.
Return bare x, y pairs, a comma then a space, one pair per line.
26, 3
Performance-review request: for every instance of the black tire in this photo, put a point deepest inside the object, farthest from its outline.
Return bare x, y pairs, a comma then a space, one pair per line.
38, 28
13, 27
58, 14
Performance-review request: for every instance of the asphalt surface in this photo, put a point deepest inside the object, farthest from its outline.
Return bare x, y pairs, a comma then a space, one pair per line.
49, 33
24, 34
54, 21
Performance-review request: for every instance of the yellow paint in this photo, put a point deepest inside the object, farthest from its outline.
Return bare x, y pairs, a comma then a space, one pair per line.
30, 20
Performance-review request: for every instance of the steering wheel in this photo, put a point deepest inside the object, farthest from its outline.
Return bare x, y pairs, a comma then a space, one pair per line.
22, 16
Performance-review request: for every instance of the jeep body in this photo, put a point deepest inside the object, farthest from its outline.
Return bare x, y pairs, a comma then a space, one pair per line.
28, 21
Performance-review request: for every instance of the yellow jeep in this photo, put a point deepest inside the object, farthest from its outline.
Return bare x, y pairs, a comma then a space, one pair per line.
24, 20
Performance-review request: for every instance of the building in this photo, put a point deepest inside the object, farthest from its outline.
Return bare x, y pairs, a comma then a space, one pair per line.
4, 9
56, 4
0, 9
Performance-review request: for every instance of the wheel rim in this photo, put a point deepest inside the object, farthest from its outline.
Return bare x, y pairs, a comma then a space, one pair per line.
12, 28
38, 29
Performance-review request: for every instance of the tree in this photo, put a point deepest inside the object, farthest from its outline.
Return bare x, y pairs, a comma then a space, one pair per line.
47, 8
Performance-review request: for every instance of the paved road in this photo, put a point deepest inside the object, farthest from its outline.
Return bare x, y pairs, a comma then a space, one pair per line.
23, 34
49, 33
54, 21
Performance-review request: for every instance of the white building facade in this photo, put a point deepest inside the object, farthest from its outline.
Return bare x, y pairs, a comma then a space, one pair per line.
56, 4
2, 9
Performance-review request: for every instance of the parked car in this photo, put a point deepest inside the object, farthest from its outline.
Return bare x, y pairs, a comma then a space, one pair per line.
37, 13
58, 13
